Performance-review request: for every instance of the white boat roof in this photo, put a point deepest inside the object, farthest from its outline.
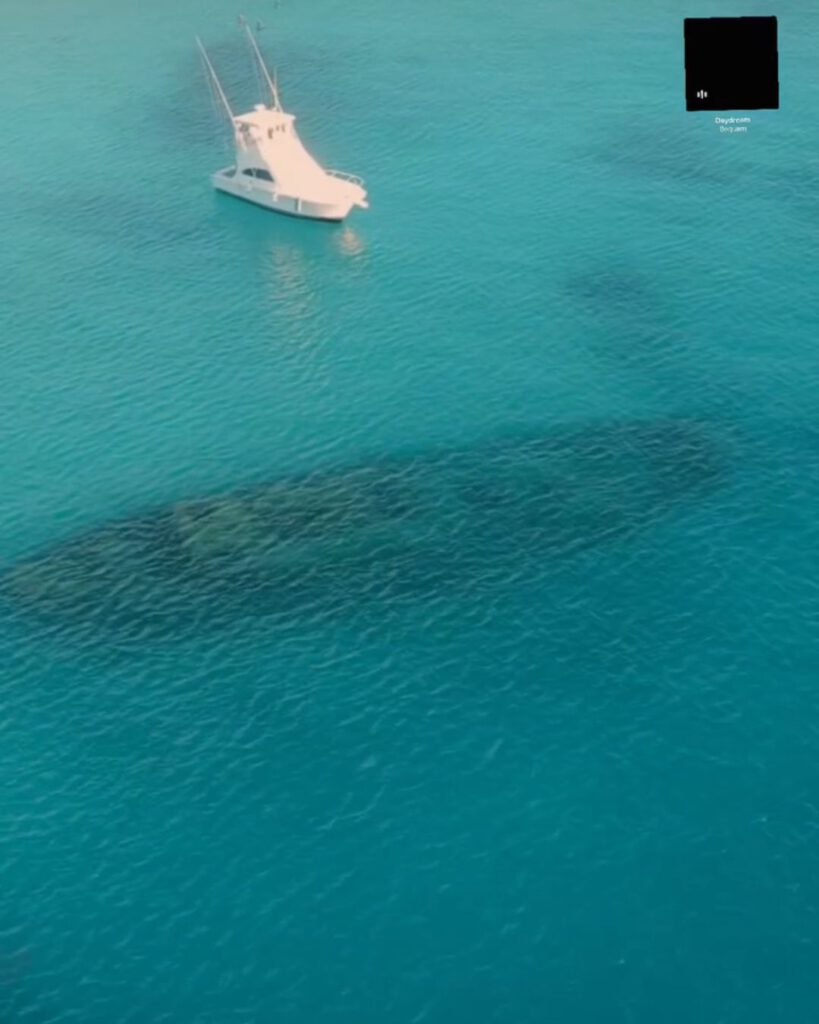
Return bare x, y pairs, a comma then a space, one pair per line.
295, 170
264, 117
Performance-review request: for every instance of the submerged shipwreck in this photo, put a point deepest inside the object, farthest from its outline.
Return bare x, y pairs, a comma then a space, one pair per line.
384, 529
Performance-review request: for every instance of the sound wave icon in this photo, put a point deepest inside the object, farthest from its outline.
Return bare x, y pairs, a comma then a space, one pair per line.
702, 94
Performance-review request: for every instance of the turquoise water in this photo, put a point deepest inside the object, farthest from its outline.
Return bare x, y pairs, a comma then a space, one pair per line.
582, 790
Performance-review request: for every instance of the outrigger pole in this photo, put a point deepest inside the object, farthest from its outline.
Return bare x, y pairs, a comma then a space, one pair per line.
274, 92
214, 78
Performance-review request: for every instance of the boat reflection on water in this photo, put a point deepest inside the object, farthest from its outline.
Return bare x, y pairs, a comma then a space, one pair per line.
291, 288
386, 529
349, 243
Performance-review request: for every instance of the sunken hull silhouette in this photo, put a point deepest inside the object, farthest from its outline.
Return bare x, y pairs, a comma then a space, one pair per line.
390, 528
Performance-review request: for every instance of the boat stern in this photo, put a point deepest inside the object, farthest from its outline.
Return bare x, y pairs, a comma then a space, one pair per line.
352, 187
359, 198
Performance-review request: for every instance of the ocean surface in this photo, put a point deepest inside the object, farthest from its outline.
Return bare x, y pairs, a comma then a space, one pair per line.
555, 761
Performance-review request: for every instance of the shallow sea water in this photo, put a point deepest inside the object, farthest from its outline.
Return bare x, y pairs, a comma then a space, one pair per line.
577, 782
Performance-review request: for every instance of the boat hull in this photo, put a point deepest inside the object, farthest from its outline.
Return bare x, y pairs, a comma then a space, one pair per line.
260, 194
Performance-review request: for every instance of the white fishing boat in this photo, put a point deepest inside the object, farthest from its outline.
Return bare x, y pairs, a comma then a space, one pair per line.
273, 169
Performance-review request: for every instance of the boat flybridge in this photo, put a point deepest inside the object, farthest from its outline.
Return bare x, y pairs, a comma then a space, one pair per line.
273, 169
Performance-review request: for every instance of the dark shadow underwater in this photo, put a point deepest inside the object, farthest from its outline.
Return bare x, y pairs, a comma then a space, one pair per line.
392, 528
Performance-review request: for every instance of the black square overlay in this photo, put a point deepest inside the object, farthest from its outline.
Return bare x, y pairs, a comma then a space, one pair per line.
731, 64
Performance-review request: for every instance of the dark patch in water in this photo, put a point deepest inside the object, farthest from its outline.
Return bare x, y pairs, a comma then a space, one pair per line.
796, 185
392, 528
122, 221
608, 289
631, 306
651, 151
16, 1001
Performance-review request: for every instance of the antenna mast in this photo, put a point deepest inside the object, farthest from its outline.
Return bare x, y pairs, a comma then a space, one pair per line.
214, 79
274, 92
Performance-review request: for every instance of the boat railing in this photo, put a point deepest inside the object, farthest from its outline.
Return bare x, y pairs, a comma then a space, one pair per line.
344, 176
